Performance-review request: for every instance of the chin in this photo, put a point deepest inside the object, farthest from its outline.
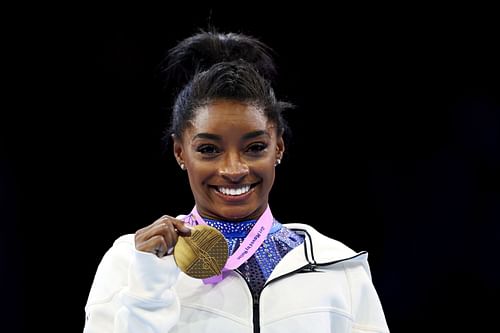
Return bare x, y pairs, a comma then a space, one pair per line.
235, 213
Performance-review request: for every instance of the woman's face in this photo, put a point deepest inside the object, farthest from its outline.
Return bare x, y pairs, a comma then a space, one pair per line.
230, 150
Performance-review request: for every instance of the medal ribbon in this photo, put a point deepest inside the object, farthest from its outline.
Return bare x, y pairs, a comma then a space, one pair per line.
247, 248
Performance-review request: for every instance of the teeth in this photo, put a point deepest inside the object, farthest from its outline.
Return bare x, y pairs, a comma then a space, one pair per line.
234, 191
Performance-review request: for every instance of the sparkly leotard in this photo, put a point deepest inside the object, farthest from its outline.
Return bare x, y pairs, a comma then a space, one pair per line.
257, 269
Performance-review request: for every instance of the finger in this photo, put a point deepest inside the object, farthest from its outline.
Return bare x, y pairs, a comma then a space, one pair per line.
166, 226
164, 230
170, 234
147, 232
157, 228
152, 225
179, 226
182, 228
155, 245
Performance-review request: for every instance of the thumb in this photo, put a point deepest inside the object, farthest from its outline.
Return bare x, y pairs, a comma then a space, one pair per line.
182, 228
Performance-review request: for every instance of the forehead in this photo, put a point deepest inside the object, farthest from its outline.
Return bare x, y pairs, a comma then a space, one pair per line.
224, 114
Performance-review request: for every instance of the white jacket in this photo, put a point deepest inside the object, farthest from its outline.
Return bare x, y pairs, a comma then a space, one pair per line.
320, 286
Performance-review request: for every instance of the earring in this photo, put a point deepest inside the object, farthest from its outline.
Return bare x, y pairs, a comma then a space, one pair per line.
278, 161
183, 167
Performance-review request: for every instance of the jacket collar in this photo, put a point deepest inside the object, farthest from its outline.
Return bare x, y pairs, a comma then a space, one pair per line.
316, 250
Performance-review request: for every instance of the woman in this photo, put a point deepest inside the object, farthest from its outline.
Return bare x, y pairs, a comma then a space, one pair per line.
227, 131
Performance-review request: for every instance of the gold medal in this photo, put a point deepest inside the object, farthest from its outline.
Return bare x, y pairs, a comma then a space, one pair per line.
203, 254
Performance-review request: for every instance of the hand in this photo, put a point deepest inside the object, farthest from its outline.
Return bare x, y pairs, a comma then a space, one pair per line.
161, 236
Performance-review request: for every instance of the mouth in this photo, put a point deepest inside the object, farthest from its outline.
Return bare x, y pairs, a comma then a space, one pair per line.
234, 192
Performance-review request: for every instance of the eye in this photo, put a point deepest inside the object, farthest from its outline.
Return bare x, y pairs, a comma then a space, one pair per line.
208, 149
256, 147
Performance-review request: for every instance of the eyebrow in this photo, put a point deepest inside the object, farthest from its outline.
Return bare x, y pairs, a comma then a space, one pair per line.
216, 137
207, 136
254, 134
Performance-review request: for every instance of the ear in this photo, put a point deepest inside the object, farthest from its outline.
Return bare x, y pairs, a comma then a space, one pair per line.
178, 149
280, 147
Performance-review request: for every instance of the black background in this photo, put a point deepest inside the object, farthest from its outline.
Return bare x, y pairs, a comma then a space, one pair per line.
395, 148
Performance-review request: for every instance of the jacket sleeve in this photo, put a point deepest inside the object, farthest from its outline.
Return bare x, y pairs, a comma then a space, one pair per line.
366, 308
132, 291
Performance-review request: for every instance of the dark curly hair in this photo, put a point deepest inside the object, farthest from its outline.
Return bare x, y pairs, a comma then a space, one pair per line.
210, 66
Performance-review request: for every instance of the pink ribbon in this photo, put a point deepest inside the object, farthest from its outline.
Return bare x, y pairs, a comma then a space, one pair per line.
247, 248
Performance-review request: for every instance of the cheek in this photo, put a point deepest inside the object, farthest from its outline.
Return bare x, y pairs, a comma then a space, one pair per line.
199, 172
266, 169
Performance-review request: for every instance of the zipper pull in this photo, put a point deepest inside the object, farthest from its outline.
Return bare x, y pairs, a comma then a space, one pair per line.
310, 268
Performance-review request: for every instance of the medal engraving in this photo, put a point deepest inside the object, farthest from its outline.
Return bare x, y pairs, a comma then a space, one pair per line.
203, 254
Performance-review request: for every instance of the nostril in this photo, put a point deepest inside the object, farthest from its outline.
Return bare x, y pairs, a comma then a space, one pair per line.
233, 175
237, 171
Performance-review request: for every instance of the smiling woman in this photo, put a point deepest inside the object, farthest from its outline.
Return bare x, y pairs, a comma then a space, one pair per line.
229, 151
227, 131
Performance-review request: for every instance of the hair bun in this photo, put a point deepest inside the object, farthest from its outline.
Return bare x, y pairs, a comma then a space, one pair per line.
207, 48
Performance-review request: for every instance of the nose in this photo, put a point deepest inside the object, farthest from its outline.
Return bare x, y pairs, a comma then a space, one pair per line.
233, 168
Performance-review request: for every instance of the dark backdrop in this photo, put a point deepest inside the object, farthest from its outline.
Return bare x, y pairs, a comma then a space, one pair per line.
395, 148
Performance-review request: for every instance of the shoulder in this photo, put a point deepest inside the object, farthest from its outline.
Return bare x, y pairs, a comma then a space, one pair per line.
326, 250
111, 274
121, 249
320, 240
124, 240
119, 255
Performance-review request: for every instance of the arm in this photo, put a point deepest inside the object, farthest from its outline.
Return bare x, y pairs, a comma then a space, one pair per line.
132, 292
365, 304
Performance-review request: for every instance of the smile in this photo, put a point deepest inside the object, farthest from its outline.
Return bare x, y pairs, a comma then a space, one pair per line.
233, 191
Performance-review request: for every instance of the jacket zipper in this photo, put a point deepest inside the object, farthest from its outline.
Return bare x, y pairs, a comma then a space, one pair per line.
255, 305
310, 266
